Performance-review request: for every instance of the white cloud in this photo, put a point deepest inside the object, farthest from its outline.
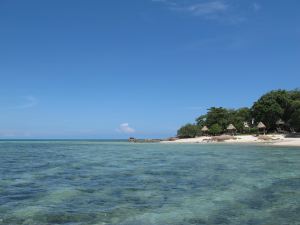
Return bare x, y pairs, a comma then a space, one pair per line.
125, 128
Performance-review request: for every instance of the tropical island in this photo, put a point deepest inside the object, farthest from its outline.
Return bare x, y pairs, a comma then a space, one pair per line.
273, 118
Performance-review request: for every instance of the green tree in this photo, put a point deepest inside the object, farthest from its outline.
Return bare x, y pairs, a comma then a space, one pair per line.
295, 94
215, 129
221, 116
240, 116
292, 111
188, 131
271, 107
294, 120
201, 120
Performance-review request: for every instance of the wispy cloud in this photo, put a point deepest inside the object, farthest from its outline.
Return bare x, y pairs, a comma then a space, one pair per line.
125, 128
229, 11
207, 8
28, 102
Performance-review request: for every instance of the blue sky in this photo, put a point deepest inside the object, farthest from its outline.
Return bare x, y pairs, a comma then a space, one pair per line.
113, 69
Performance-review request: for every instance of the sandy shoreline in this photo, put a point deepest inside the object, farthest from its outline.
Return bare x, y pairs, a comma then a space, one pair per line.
272, 139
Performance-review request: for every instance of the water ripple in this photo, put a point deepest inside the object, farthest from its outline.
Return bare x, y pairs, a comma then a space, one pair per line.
94, 182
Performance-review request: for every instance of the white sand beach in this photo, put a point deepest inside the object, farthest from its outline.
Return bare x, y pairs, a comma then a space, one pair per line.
272, 139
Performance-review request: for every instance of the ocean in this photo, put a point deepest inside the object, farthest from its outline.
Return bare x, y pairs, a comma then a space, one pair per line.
84, 182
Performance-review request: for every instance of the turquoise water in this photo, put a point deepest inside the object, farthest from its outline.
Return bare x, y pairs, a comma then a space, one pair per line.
97, 182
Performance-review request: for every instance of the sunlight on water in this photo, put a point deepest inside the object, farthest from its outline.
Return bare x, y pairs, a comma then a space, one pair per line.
95, 182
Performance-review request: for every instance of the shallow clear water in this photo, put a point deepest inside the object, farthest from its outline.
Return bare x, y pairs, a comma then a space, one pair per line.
96, 182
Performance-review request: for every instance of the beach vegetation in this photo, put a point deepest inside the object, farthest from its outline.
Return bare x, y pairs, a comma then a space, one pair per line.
215, 129
189, 131
270, 108
294, 120
220, 116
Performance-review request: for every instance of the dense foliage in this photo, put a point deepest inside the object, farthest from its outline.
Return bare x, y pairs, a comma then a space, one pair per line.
189, 131
215, 129
271, 107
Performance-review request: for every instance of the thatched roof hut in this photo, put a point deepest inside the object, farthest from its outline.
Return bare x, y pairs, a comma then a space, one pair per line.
204, 129
261, 125
231, 127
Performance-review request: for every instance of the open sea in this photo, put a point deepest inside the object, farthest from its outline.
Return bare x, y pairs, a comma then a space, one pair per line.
114, 182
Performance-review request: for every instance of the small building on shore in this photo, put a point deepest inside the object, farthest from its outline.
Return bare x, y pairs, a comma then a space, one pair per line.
204, 130
231, 129
262, 127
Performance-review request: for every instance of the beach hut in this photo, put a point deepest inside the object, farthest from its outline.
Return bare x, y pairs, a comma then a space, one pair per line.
231, 129
204, 129
261, 127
